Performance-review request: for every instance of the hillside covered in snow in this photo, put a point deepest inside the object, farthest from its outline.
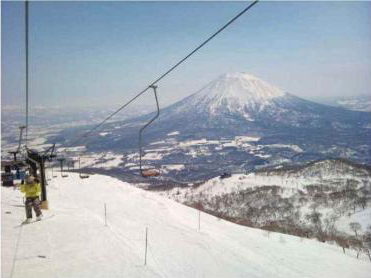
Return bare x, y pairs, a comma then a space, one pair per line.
74, 240
319, 200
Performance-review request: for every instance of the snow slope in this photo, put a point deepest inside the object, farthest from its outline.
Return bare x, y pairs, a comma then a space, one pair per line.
363, 217
75, 241
293, 184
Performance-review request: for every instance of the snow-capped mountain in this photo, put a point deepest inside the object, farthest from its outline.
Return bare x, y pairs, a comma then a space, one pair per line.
240, 103
212, 130
233, 93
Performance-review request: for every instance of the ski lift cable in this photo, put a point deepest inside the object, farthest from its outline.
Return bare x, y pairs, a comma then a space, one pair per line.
26, 49
152, 85
85, 135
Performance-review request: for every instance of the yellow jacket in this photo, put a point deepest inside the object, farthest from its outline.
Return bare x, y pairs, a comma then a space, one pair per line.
31, 190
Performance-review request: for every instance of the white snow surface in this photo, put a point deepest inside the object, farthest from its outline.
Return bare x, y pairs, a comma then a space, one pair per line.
107, 160
173, 133
152, 156
293, 147
237, 91
74, 241
174, 167
111, 161
72, 149
237, 182
193, 142
247, 139
103, 134
362, 217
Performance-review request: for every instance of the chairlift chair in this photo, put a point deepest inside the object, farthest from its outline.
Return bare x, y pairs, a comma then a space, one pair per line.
53, 176
61, 160
148, 172
82, 176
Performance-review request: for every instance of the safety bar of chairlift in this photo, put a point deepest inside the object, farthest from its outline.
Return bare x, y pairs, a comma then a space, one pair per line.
154, 87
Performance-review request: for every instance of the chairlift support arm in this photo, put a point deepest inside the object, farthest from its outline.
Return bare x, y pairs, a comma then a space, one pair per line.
21, 128
154, 87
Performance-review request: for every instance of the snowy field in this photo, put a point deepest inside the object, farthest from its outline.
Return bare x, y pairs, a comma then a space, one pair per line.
106, 160
205, 147
73, 240
158, 150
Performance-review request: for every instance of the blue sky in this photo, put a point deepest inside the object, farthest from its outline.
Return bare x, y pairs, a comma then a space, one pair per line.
93, 53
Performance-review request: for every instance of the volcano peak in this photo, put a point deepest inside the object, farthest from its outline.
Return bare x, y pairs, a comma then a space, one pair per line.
241, 75
235, 92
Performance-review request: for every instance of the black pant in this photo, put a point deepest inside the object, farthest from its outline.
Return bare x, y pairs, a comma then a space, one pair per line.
35, 203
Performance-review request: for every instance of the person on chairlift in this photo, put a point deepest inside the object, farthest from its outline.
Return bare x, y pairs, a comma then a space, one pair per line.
32, 190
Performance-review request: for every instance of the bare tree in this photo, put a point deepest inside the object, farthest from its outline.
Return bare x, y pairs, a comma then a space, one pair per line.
362, 202
355, 226
367, 242
315, 218
356, 244
342, 242
330, 226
